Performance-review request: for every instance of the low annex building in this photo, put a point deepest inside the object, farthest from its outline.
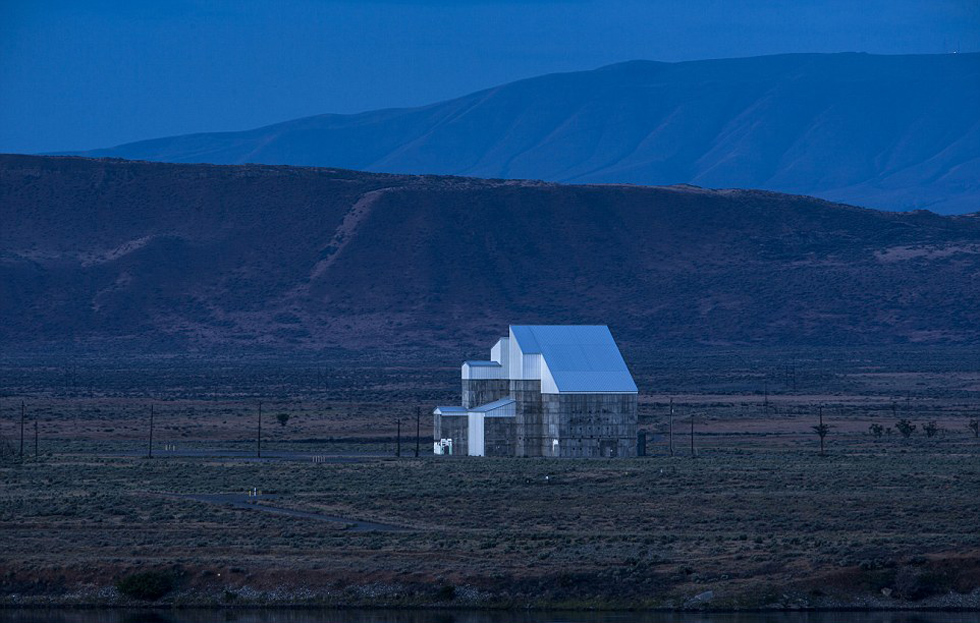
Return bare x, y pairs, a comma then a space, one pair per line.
547, 390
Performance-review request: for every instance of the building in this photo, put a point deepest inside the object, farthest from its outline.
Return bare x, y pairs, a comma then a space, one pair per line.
546, 391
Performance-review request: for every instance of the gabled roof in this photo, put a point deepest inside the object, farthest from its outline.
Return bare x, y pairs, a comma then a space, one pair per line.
451, 410
581, 358
482, 364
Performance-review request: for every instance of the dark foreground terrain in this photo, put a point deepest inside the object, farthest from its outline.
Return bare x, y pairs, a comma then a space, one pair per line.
876, 524
758, 520
459, 615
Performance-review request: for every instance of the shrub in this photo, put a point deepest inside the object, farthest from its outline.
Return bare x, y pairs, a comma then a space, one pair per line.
877, 430
930, 429
446, 592
822, 430
915, 584
905, 427
7, 453
146, 585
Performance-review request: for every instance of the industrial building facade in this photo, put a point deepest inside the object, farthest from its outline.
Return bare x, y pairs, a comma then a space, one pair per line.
556, 391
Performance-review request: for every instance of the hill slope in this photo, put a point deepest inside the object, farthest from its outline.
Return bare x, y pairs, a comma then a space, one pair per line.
108, 252
890, 132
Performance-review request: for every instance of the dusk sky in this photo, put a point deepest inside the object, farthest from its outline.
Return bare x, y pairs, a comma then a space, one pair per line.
80, 75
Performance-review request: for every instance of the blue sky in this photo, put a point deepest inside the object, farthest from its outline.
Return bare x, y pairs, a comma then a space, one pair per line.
78, 75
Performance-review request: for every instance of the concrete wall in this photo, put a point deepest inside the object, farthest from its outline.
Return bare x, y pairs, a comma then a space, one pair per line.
480, 392
593, 425
584, 425
500, 435
531, 428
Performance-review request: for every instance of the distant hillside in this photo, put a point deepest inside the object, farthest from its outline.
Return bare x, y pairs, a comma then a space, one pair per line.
130, 254
889, 132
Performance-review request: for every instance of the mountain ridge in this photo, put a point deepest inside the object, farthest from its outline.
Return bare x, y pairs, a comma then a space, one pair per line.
98, 253
890, 132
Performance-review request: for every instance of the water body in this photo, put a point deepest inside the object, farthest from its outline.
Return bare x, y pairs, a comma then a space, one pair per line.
457, 616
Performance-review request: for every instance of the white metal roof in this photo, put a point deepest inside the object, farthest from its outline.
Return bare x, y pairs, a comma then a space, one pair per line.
496, 404
581, 358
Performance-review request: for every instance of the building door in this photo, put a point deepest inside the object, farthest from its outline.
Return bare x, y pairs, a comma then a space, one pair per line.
607, 448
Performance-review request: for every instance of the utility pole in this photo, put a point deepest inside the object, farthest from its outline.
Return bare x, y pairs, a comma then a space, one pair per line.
820, 411
670, 429
149, 447
418, 430
821, 429
22, 411
258, 441
693, 454
398, 447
